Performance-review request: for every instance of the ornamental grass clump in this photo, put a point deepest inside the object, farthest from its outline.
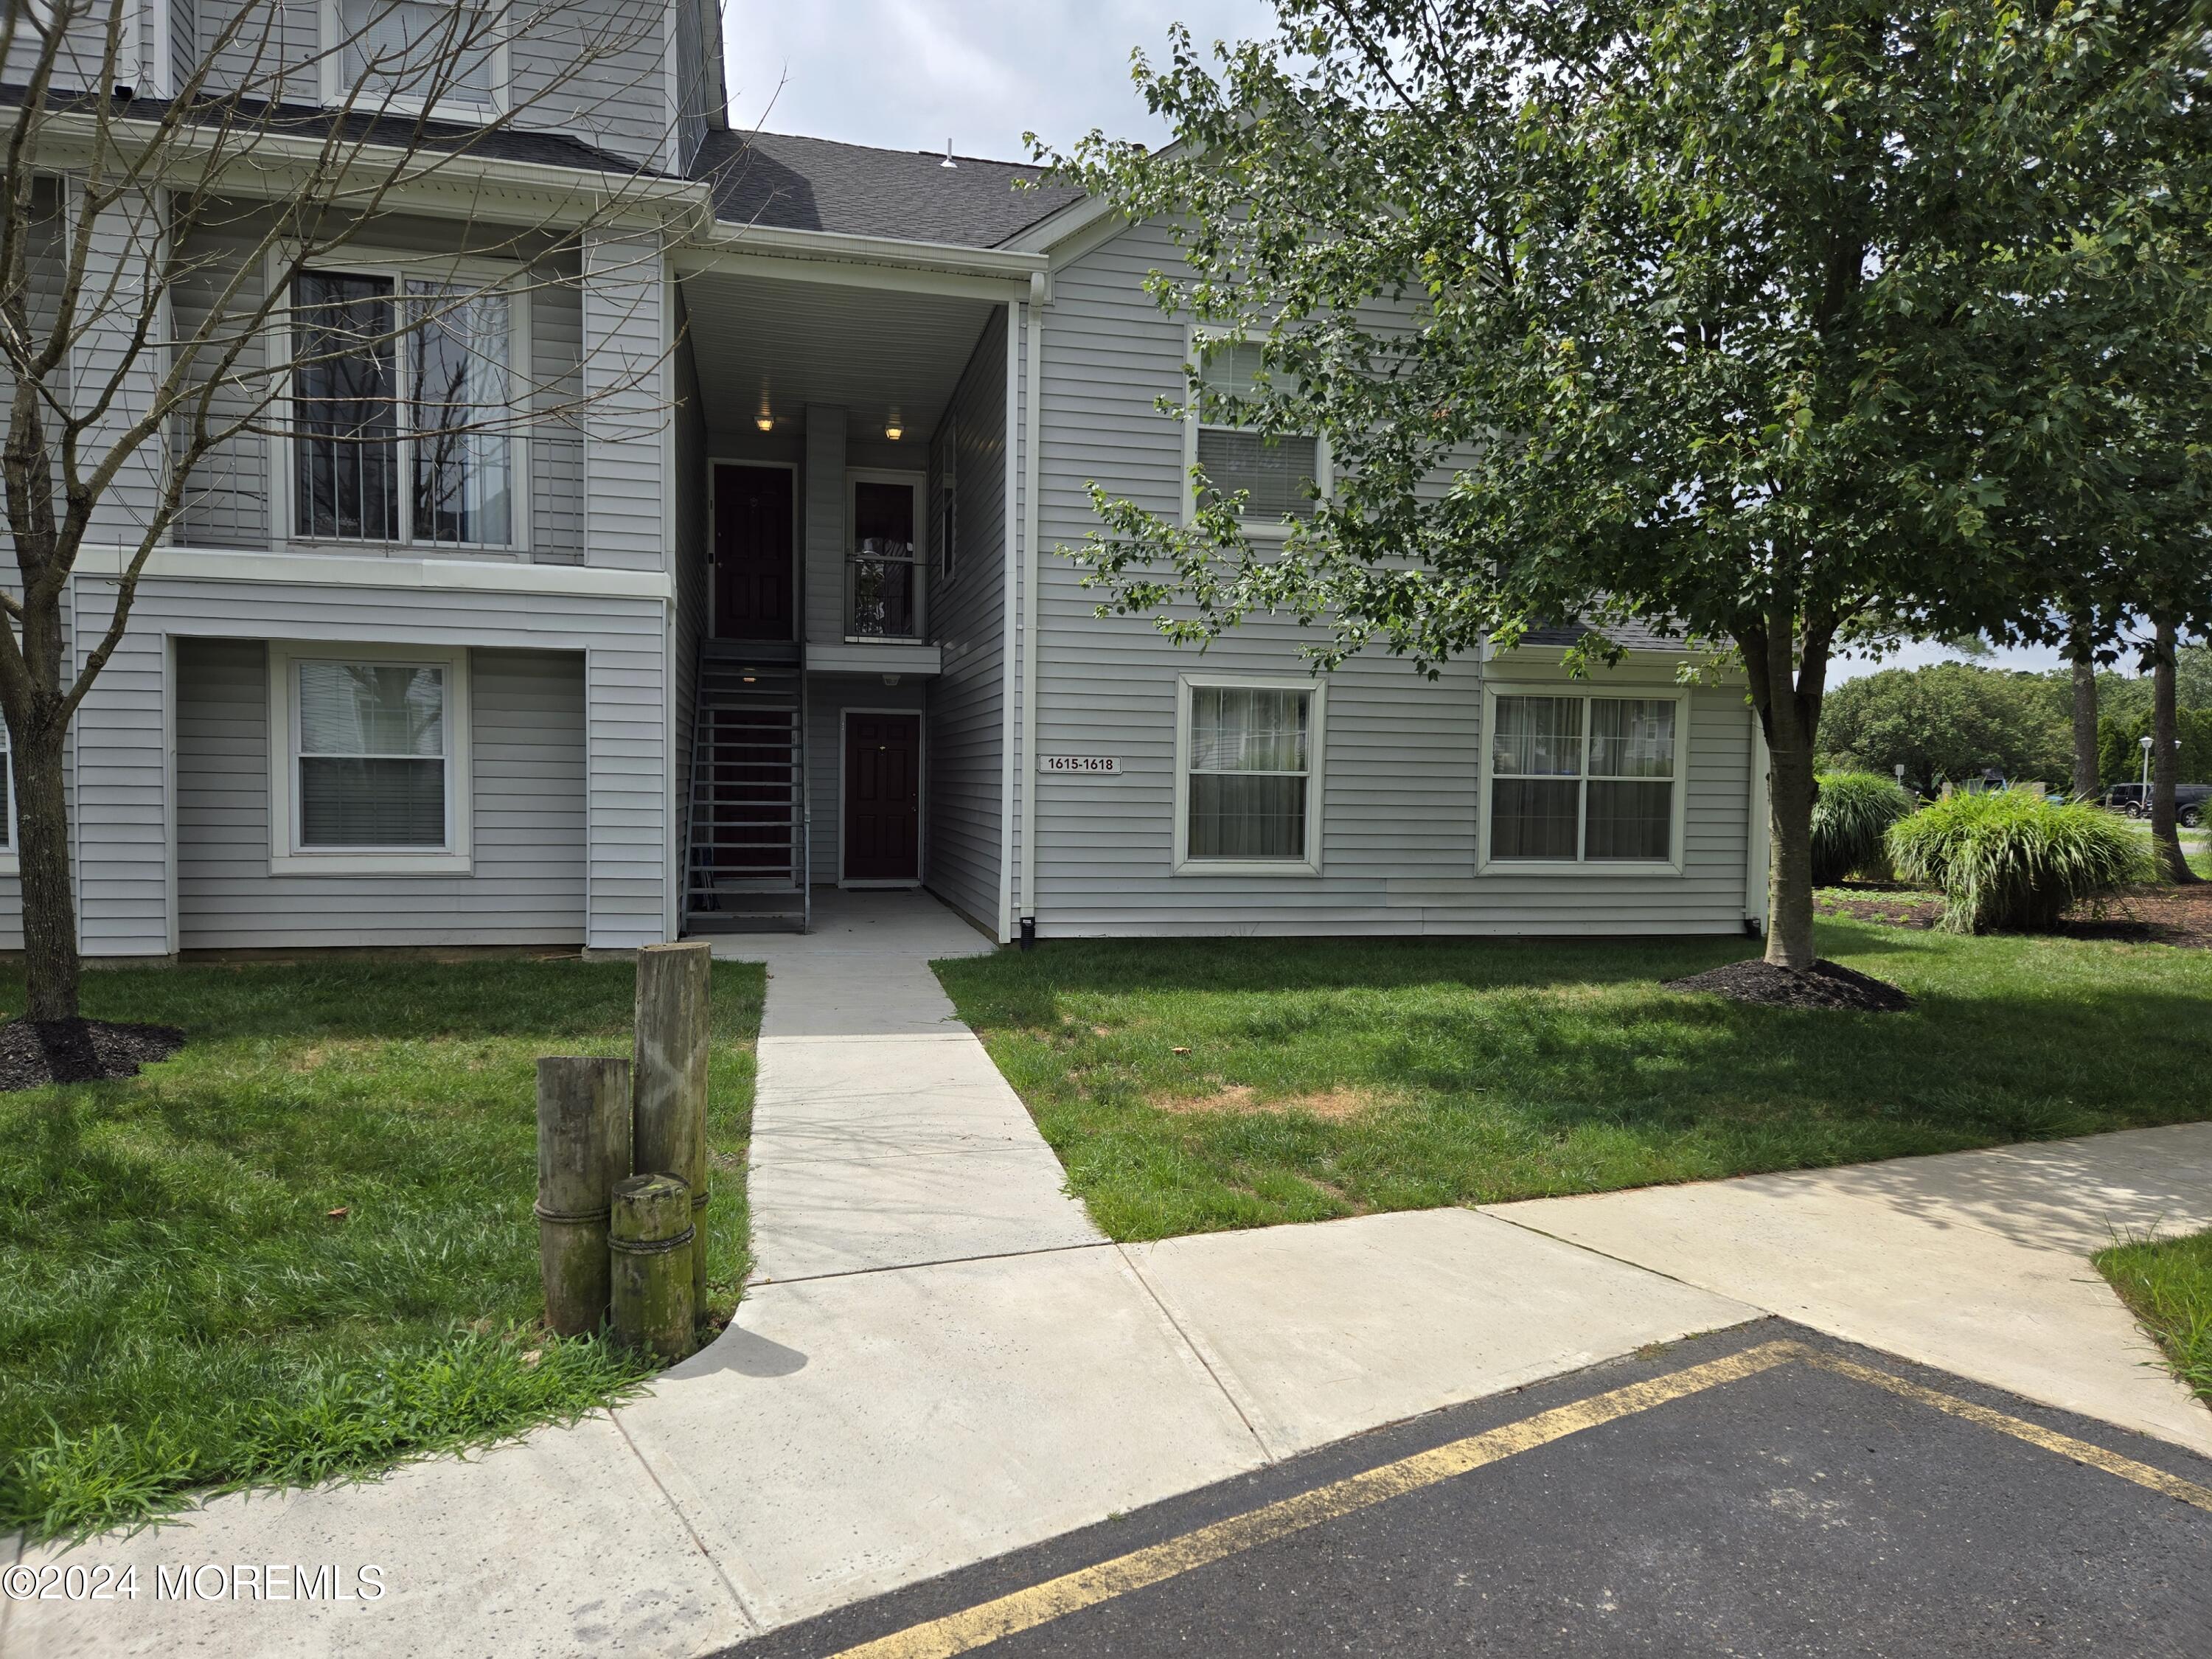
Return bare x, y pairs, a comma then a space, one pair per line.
1849, 819
2009, 860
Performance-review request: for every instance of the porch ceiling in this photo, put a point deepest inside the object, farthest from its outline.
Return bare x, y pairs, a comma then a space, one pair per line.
761, 342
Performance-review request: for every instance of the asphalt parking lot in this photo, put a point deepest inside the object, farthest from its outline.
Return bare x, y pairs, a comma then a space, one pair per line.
1763, 1491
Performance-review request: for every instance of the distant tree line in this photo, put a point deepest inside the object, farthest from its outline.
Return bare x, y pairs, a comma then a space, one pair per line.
1951, 721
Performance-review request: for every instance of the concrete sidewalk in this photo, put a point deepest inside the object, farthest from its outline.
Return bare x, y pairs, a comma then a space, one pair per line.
942, 1360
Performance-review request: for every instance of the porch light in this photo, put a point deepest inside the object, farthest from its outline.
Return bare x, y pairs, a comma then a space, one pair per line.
894, 431
764, 421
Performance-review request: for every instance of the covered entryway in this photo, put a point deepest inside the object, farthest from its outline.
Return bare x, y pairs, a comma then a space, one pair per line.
882, 807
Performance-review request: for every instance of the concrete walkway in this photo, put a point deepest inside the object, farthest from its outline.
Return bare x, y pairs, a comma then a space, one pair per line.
942, 1360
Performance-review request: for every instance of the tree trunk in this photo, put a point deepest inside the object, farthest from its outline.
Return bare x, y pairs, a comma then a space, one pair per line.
2086, 780
50, 943
1790, 791
2165, 761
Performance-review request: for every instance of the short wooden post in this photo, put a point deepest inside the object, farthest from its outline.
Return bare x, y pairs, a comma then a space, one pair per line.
649, 1240
583, 1150
670, 1138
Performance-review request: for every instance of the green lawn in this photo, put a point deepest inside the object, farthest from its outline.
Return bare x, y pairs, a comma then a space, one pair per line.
2168, 1283
1420, 1072
179, 1308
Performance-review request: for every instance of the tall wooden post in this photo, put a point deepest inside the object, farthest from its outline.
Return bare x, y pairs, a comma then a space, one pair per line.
583, 1150
649, 1243
670, 1137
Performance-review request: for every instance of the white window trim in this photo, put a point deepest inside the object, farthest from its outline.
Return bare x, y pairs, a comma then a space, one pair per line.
286, 856
1673, 865
1257, 529
919, 483
403, 267
1316, 730
334, 87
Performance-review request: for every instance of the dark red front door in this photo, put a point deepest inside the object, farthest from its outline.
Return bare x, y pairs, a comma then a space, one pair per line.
883, 796
752, 553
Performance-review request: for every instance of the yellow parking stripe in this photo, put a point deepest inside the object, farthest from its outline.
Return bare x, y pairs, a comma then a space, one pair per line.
961, 1632
2050, 1439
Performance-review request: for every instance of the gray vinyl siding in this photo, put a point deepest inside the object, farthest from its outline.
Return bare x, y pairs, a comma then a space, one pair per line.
822, 526
967, 704
625, 414
556, 441
228, 504
527, 886
126, 796
827, 697
183, 44
695, 81
594, 69
1402, 761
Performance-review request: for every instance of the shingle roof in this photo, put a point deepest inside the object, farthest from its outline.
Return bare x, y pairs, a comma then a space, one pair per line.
1628, 635
789, 183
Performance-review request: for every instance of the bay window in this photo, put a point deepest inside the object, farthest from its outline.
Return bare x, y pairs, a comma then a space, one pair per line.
1249, 766
368, 755
1574, 777
402, 390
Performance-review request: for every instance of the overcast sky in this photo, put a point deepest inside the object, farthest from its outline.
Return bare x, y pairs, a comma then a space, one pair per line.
910, 74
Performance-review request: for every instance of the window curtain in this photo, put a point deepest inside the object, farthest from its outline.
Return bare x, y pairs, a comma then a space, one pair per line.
372, 755
456, 371
1535, 768
1631, 791
1250, 769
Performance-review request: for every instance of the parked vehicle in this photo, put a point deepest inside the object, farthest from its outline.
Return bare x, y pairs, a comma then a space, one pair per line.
2191, 801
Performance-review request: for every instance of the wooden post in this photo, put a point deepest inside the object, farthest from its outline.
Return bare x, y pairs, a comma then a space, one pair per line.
670, 1138
649, 1242
583, 1150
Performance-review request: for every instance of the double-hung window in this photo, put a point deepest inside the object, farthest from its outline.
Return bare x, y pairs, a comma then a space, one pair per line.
401, 394
369, 753
1281, 473
1248, 765
1578, 778
447, 57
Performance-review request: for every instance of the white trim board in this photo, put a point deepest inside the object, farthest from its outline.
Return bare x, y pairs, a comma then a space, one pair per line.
370, 570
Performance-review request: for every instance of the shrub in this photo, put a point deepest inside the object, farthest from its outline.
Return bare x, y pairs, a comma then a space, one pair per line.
1849, 819
2007, 859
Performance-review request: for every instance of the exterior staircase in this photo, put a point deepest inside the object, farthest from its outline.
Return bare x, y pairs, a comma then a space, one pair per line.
746, 839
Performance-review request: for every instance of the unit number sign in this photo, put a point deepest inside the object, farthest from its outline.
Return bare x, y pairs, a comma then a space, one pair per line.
1086, 763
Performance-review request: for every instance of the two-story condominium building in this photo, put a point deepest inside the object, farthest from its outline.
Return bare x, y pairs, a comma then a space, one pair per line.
783, 609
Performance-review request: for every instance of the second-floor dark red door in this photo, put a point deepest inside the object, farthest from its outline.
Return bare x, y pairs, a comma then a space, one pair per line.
753, 562
883, 796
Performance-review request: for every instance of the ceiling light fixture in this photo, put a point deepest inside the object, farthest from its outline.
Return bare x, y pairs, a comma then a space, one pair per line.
894, 431
764, 421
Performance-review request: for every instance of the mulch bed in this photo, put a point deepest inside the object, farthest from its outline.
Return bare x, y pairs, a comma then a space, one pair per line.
1826, 984
2149, 916
34, 1052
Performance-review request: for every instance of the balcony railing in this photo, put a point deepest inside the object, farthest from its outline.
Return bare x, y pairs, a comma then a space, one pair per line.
883, 596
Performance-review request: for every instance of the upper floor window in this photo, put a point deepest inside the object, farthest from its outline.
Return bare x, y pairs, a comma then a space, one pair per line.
1575, 778
402, 390
883, 565
1281, 473
446, 56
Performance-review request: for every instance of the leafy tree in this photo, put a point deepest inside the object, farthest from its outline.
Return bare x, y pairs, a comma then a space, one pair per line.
1946, 722
1724, 314
2119, 746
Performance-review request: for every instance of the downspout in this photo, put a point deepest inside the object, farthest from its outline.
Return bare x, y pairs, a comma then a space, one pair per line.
1032, 424
1009, 644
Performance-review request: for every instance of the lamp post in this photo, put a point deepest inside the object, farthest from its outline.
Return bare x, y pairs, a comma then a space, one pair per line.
2143, 801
